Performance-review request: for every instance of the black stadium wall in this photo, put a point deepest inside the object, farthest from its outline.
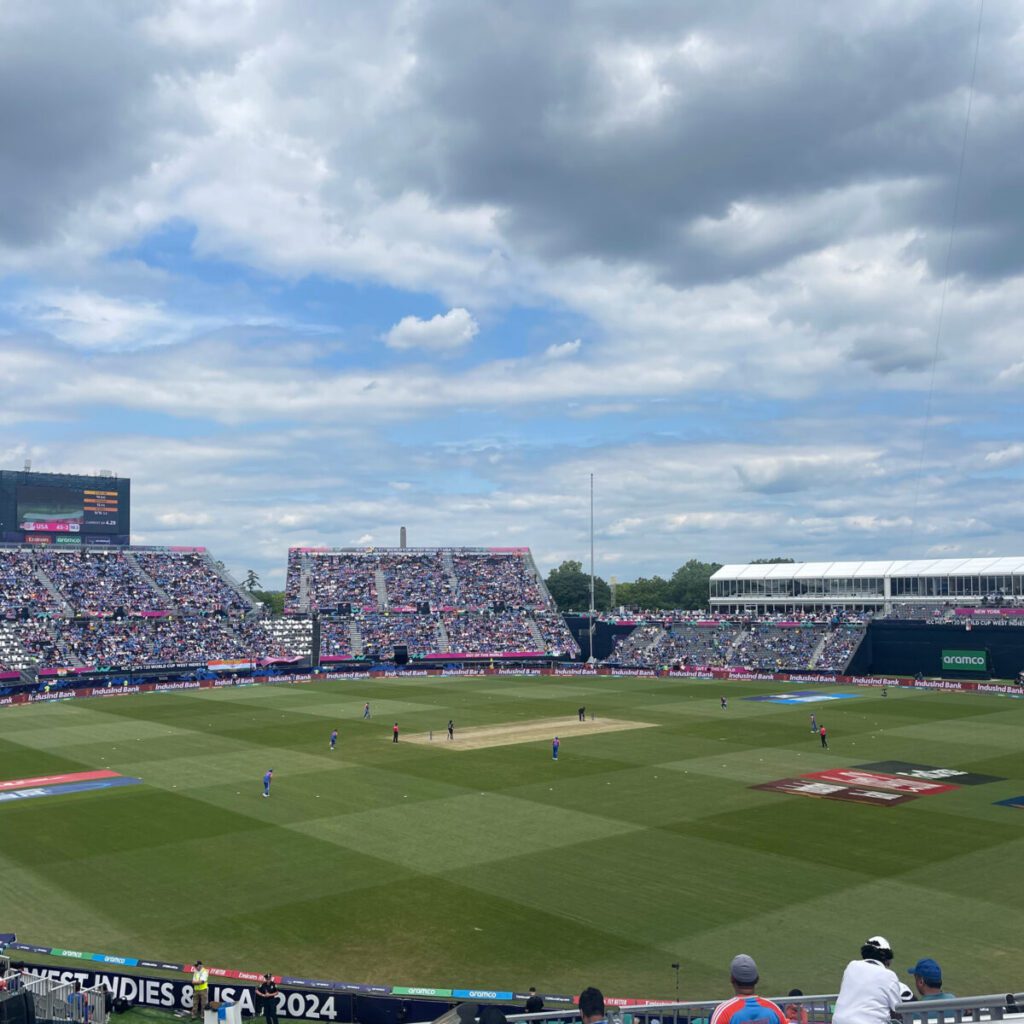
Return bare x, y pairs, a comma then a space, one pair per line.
899, 648
605, 634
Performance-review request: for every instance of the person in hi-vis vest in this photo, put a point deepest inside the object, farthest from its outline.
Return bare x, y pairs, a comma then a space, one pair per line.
200, 988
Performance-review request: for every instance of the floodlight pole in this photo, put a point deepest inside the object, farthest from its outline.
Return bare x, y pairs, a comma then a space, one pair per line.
590, 618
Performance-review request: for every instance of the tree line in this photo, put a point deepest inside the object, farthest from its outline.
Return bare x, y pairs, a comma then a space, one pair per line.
687, 587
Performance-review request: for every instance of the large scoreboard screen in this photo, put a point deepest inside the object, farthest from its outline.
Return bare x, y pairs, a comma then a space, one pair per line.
51, 508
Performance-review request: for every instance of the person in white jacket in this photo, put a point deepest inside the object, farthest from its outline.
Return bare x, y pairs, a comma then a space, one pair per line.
870, 992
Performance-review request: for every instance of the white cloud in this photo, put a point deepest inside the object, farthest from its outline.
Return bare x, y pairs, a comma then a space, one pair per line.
564, 350
1006, 456
441, 333
89, 320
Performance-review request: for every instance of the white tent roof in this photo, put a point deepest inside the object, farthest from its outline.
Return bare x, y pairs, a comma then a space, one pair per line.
844, 570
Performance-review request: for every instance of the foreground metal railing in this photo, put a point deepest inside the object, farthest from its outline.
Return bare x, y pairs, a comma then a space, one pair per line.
59, 1001
814, 1009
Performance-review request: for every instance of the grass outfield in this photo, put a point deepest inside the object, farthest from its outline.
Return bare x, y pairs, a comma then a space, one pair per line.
495, 866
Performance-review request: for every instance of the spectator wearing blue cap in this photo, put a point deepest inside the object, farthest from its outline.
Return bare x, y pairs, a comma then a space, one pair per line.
928, 980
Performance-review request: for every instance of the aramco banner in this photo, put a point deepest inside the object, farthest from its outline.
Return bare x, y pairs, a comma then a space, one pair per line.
965, 661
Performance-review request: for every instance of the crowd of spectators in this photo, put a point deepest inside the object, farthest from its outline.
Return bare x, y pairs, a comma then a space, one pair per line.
496, 578
442, 578
98, 582
336, 578
191, 582
702, 645
481, 633
336, 638
990, 612
490, 632
774, 648
134, 643
21, 590
741, 642
555, 636
414, 578
381, 632
840, 643
642, 648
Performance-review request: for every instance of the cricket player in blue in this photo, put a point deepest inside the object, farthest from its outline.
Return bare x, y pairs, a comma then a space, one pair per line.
554, 749
366, 710
334, 738
266, 781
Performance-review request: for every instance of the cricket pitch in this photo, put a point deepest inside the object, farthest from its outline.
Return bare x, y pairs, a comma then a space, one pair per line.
523, 732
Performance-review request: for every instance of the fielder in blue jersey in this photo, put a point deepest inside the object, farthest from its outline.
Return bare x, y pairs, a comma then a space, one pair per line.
334, 738
554, 749
266, 781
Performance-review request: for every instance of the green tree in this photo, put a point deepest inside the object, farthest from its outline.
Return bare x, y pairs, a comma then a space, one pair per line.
570, 588
273, 598
772, 561
689, 585
644, 593
252, 581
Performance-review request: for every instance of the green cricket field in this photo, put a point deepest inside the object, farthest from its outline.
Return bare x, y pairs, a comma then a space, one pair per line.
482, 862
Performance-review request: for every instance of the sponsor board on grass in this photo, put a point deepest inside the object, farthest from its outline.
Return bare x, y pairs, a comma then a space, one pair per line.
1013, 801
835, 791
930, 773
52, 780
14, 795
879, 780
800, 697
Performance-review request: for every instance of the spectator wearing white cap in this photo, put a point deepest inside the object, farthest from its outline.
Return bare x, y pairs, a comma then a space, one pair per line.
746, 1007
870, 991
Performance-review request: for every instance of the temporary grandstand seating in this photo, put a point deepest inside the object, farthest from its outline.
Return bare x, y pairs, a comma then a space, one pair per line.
763, 644
124, 608
459, 602
380, 578
776, 647
838, 647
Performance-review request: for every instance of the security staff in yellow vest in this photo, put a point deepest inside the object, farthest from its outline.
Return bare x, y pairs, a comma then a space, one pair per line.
200, 988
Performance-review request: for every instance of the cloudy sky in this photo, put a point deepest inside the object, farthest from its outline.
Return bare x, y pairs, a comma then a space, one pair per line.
308, 272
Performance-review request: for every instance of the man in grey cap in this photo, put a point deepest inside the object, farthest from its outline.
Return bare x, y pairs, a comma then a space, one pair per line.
746, 1007
870, 992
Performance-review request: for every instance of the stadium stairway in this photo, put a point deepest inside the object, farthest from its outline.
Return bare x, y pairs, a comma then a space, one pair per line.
812, 661
449, 568
355, 639
70, 658
304, 583
48, 586
536, 634
443, 639
735, 645
532, 566
382, 590
130, 558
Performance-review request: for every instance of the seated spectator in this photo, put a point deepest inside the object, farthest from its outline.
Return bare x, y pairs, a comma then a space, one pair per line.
746, 1007
928, 980
870, 992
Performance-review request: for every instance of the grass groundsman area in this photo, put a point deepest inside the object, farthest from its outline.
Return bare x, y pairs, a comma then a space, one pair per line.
644, 844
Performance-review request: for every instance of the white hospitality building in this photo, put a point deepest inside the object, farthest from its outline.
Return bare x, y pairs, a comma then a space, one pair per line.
867, 586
